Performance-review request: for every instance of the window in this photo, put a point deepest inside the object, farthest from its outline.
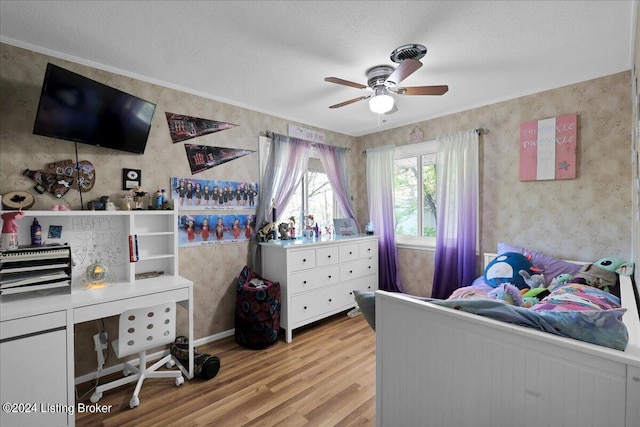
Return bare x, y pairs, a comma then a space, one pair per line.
314, 196
415, 194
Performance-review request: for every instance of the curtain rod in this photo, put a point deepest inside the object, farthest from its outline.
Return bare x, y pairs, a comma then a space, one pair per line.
479, 131
270, 134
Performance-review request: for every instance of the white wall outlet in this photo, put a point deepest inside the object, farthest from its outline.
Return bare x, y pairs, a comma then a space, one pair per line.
101, 341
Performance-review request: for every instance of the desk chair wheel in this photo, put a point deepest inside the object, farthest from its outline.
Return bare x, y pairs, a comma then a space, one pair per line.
179, 381
170, 364
95, 397
134, 402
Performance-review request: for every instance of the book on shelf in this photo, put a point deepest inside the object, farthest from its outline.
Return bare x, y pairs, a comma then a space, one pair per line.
133, 248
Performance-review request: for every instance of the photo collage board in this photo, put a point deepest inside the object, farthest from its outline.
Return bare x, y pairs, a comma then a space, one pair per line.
214, 223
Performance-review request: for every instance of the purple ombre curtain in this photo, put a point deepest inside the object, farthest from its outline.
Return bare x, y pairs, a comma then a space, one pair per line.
286, 165
457, 197
334, 161
382, 214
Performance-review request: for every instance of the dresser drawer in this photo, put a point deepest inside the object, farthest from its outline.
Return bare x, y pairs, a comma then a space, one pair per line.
349, 252
365, 283
359, 268
307, 280
301, 260
314, 304
368, 248
327, 256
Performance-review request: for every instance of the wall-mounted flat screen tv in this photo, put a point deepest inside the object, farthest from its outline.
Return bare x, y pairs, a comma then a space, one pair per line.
76, 108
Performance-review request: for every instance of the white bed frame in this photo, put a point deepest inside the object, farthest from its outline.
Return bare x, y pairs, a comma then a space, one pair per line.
438, 367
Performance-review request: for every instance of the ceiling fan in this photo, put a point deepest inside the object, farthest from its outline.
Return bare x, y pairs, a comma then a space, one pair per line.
382, 80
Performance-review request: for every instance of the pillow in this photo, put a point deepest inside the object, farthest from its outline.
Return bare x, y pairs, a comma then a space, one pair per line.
366, 300
551, 267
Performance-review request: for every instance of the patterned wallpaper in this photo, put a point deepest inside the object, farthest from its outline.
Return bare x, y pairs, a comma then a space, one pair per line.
214, 268
585, 218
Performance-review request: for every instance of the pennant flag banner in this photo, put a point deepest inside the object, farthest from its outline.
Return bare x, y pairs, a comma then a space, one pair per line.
548, 148
182, 127
203, 157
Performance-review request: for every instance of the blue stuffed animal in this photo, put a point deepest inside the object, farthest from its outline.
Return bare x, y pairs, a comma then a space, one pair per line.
506, 267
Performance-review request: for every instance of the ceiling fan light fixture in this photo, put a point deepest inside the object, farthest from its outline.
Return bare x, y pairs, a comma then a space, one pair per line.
381, 103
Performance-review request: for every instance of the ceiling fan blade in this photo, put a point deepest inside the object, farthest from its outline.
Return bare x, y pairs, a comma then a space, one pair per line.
344, 82
423, 90
404, 70
351, 101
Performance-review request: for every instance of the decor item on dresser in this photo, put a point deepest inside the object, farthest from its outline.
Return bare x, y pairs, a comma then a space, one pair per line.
318, 277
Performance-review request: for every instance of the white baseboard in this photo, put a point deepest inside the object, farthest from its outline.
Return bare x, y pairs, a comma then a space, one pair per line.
150, 357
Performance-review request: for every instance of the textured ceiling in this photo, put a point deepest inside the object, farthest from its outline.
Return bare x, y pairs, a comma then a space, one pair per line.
273, 56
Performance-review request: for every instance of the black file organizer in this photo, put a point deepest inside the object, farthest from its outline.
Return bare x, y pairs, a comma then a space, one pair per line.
29, 269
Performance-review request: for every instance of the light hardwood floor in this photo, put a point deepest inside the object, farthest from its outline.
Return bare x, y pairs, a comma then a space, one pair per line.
324, 377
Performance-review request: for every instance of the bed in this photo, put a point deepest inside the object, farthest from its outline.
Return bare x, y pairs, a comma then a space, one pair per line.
439, 367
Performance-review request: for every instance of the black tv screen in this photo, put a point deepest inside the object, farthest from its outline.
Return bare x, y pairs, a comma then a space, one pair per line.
76, 108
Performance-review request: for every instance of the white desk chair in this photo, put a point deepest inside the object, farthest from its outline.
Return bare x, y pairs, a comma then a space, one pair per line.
140, 330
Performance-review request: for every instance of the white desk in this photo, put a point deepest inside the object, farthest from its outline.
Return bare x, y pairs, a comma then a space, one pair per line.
36, 334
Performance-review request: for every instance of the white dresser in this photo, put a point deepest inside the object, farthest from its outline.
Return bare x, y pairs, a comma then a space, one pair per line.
318, 276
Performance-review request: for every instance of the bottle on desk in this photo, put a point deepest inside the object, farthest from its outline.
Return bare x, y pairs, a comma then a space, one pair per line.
36, 233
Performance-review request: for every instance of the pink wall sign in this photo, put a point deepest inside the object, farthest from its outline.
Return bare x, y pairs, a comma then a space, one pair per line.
548, 148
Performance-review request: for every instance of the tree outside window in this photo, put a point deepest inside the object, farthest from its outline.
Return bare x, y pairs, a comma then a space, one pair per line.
314, 196
415, 195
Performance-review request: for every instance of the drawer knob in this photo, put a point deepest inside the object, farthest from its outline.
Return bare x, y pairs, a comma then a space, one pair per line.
304, 260
305, 307
350, 253
369, 267
329, 276
369, 249
350, 271
304, 282
328, 256
329, 299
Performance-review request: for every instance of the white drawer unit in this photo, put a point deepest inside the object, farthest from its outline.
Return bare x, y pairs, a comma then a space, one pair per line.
318, 277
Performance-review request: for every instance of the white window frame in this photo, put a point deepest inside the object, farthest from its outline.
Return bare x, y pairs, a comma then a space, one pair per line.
429, 148
313, 154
